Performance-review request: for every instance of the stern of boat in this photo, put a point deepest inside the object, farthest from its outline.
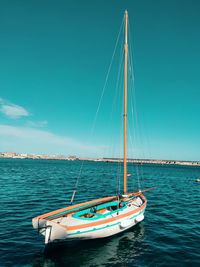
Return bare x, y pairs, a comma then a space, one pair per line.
50, 230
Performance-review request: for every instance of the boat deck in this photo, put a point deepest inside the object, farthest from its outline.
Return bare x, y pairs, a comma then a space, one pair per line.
100, 212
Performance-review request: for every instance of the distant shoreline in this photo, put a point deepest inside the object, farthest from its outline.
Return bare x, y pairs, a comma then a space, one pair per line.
15, 155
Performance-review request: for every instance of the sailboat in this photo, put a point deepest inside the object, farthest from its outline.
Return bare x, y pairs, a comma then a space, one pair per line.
102, 217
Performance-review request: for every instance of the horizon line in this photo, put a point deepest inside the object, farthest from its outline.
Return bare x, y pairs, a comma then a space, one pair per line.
88, 157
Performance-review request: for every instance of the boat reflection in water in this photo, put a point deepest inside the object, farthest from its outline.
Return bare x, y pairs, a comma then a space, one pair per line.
111, 250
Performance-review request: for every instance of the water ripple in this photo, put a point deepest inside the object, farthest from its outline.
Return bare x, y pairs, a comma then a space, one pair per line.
169, 235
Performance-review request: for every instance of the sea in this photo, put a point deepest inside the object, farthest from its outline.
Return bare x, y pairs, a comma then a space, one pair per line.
168, 236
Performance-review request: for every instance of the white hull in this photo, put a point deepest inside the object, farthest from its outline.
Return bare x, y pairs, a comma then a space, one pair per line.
99, 232
71, 228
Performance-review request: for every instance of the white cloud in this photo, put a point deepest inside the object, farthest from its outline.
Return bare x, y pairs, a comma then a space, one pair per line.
14, 111
11, 110
36, 124
30, 140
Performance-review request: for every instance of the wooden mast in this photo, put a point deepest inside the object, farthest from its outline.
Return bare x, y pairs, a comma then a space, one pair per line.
125, 100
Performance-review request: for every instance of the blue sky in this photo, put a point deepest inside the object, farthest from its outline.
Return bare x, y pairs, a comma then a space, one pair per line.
54, 60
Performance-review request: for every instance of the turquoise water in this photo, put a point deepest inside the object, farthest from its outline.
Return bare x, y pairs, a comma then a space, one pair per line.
169, 235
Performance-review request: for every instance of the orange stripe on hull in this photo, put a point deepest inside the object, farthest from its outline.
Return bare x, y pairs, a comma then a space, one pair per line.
77, 227
43, 216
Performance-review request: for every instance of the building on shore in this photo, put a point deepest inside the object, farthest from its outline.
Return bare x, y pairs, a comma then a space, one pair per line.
72, 158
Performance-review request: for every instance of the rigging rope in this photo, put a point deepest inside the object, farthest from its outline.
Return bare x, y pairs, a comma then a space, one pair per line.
97, 111
105, 83
76, 184
116, 96
139, 171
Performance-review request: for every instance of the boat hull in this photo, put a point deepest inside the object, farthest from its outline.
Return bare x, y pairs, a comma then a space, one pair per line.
55, 233
70, 228
105, 230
